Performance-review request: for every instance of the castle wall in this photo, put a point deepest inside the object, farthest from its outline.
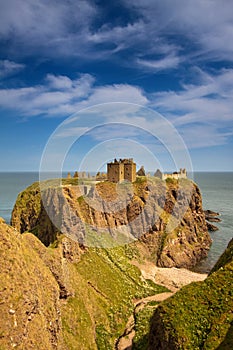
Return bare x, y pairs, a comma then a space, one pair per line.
124, 169
130, 172
182, 174
115, 172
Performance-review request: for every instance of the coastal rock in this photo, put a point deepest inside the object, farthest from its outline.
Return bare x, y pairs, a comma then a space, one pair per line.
211, 227
210, 216
210, 213
199, 316
212, 219
166, 217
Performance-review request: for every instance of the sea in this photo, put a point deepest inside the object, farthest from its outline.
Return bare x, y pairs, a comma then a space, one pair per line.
217, 195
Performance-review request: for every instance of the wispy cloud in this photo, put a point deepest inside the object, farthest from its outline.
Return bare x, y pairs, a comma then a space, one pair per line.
201, 112
62, 96
168, 62
53, 27
203, 27
8, 68
209, 101
185, 32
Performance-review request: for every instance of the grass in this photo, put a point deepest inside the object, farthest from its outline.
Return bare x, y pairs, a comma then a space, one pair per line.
200, 315
142, 327
105, 285
104, 282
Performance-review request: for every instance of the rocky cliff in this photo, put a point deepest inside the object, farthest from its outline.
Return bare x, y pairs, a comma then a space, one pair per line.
199, 316
166, 218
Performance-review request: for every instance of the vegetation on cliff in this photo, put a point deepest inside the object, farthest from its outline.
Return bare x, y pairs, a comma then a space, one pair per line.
29, 295
63, 297
199, 316
82, 297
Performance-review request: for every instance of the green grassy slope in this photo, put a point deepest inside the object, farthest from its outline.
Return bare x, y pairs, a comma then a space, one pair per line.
200, 315
29, 296
61, 297
105, 285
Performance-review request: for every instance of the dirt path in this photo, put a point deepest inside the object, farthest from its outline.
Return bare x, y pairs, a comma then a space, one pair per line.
172, 278
126, 340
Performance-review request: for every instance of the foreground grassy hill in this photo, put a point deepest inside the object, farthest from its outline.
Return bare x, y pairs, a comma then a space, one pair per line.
200, 315
64, 297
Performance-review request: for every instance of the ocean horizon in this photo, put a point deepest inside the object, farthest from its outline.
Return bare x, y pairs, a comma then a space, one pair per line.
216, 189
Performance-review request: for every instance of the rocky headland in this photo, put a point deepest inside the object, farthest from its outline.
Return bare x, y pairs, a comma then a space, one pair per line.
85, 297
166, 218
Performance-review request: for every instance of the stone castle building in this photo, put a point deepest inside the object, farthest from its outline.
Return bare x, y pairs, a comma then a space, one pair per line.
182, 174
120, 170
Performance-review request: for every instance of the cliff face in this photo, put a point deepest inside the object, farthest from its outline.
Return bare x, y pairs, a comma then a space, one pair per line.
166, 217
199, 316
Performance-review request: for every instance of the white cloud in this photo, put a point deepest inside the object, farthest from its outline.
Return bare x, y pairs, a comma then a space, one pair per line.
206, 26
8, 68
209, 101
204, 135
201, 112
59, 82
61, 96
168, 62
52, 27
186, 31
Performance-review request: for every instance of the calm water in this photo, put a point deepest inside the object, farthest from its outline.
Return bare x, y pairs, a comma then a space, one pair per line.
217, 193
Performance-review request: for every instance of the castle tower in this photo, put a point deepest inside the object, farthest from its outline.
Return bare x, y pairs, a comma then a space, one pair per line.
124, 169
115, 171
129, 170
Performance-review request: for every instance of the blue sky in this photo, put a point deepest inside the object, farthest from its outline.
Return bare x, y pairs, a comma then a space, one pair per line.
173, 57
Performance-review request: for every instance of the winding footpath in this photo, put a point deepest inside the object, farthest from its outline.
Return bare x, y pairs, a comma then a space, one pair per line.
125, 342
171, 278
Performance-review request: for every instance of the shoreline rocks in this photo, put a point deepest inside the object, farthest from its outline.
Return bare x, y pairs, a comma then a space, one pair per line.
211, 216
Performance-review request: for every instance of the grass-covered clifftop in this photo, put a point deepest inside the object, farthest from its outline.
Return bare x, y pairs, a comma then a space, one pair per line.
200, 315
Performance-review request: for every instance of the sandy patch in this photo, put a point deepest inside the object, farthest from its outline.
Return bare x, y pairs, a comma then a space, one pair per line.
173, 278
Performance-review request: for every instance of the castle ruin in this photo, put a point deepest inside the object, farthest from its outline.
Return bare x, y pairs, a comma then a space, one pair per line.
182, 174
121, 170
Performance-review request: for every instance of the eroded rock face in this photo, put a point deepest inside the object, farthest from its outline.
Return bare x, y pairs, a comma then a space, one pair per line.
166, 217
